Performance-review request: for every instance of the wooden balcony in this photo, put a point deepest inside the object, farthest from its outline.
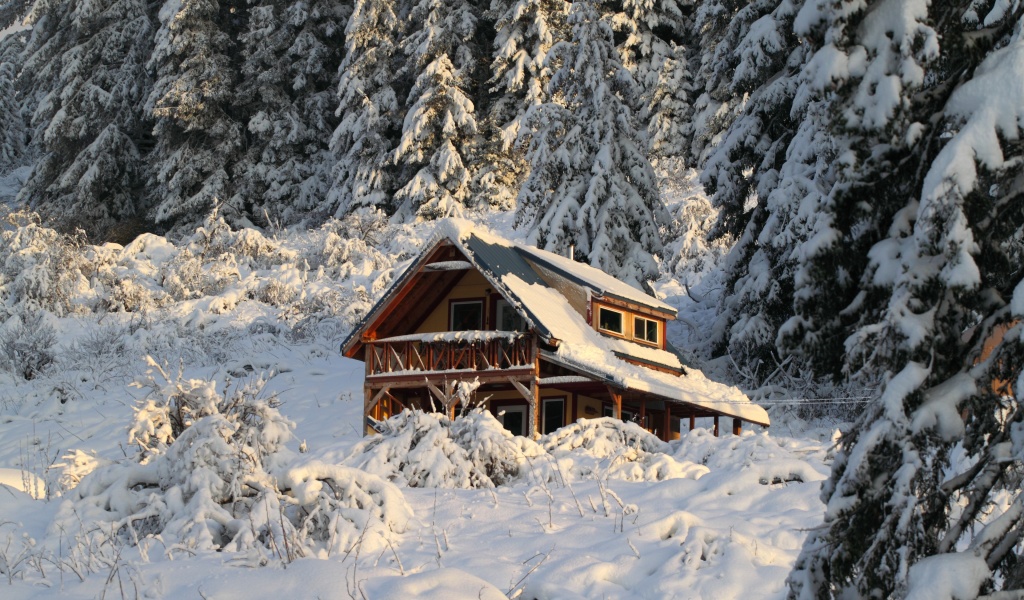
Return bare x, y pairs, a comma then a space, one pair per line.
450, 355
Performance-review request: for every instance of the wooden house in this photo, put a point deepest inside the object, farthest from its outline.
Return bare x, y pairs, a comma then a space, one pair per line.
545, 341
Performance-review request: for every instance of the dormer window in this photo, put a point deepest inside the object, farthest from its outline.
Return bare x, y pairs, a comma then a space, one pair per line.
610, 320
645, 330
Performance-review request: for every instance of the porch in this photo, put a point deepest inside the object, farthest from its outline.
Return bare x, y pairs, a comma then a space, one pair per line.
511, 378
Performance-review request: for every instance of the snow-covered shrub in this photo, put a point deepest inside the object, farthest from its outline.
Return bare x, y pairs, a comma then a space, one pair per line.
215, 240
27, 346
609, 448
603, 437
335, 503
213, 474
421, 449
41, 269
188, 275
76, 465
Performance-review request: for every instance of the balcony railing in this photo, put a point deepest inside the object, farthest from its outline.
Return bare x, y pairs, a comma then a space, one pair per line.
450, 351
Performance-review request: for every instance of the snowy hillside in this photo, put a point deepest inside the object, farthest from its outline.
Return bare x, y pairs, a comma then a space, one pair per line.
156, 367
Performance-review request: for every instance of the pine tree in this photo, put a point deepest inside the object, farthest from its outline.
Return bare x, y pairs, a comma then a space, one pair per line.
941, 282
525, 32
198, 139
440, 120
655, 39
12, 127
771, 155
291, 51
91, 122
590, 183
364, 140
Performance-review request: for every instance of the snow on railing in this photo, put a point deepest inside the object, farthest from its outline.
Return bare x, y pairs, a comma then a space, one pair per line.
472, 351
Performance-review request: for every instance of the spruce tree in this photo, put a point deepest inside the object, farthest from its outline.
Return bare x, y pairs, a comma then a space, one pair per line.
525, 31
291, 52
440, 119
12, 127
590, 183
198, 139
91, 122
364, 140
939, 314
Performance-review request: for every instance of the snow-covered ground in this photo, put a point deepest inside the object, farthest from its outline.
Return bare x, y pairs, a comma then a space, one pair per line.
619, 517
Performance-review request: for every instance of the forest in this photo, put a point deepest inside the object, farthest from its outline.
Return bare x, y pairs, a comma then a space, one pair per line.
863, 160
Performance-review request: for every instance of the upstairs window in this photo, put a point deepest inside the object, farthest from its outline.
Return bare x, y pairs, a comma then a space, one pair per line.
467, 315
610, 320
645, 330
508, 318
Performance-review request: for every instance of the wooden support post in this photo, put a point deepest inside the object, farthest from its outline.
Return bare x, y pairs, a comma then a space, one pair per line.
643, 413
693, 422
535, 406
716, 425
668, 423
616, 402
737, 426
532, 396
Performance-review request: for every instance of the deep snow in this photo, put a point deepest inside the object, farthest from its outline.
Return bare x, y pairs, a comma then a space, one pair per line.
586, 516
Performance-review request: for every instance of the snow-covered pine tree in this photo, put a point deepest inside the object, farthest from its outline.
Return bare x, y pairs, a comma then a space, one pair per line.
525, 31
291, 53
91, 121
440, 119
363, 142
949, 278
768, 174
12, 127
654, 43
590, 183
198, 139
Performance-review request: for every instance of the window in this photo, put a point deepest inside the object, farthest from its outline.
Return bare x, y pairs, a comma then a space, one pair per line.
467, 315
609, 320
508, 318
645, 330
514, 419
553, 415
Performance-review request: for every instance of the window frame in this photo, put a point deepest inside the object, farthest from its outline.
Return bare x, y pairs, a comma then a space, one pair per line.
500, 304
544, 414
657, 330
464, 301
622, 321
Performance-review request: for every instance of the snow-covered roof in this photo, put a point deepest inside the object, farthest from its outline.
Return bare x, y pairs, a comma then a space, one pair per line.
507, 266
583, 349
601, 283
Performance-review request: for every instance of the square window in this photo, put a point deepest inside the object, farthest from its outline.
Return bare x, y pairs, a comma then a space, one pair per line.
609, 320
645, 329
467, 315
508, 318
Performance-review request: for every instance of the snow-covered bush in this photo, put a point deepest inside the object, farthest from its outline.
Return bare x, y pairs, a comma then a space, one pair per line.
209, 477
603, 437
339, 507
609, 448
41, 269
421, 449
27, 346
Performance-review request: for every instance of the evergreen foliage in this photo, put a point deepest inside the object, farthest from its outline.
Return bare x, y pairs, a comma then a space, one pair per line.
291, 51
590, 184
368, 106
91, 123
198, 139
440, 121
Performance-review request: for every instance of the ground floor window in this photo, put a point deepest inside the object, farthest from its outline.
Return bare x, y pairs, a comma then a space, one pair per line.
553, 414
513, 418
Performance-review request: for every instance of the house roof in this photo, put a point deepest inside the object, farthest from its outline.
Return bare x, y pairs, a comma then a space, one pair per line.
512, 269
